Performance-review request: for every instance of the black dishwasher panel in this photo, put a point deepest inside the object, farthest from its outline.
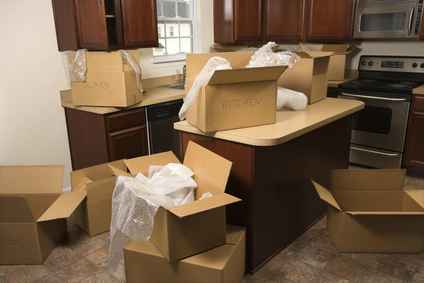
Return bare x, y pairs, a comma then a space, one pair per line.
162, 135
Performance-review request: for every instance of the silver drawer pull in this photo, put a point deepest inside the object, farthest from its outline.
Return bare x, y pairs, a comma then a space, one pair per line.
374, 97
372, 151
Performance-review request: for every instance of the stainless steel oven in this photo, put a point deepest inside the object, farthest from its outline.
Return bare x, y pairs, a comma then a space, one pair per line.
385, 85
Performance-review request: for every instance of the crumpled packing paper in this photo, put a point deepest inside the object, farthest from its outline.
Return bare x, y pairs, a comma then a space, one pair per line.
135, 202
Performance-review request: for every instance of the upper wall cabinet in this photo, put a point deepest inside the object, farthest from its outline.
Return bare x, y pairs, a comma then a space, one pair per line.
283, 20
105, 24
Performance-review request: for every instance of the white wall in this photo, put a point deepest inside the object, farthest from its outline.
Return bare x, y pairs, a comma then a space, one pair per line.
32, 121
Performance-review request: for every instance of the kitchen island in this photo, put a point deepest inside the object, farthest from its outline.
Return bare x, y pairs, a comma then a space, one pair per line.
272, 168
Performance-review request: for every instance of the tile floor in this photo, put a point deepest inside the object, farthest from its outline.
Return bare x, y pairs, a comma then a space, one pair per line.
311, 258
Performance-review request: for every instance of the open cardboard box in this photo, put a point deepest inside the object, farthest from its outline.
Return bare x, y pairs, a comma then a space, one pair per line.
234, 98
109, 81
33, 212
191, 228
369, 212
226, 263
93, 215
309, 75
337, 64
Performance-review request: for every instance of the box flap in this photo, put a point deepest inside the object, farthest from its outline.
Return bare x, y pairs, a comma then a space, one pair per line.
417, 195
142, 164
336, 48
367, 179
104, 61
116, 171
385, 212
97, 172
203, 205
210, 166
247, 75
326, 195
81, 186
63, 206
31, 179
313, 54
15, 209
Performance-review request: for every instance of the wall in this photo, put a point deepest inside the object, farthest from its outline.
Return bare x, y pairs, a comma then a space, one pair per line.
32, 121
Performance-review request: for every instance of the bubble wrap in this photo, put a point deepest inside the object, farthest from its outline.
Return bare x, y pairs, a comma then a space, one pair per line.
130, 59
311, 47
215, 63
291, 99
75, 69
265, 56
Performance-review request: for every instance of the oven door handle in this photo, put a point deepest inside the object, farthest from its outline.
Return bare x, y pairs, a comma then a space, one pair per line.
411, 17
372, 151
374, 97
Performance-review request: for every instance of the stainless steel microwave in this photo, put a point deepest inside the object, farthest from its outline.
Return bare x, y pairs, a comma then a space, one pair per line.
387, 18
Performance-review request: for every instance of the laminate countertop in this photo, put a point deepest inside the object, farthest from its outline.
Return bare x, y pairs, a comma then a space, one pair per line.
289, 123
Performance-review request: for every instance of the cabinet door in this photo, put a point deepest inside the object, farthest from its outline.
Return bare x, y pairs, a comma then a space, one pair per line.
421, 30
284, 20
248, 20
140, 23
329, 20
128, 143
414, 147
91, 24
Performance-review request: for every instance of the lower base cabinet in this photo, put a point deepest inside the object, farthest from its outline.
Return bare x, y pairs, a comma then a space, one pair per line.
99, 138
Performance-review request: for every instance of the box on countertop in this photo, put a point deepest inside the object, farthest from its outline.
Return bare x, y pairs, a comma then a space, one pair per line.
194, 227
109, 80
337, 64
93, 215
234, 98
33, 212
369, 212
226, 263
309, 75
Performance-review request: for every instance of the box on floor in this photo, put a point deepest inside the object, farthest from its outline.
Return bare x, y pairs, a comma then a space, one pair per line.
194, 227
369, 212
93, 215
234, 98
109, 80
226, 263
33, 212
337, 64
309, 75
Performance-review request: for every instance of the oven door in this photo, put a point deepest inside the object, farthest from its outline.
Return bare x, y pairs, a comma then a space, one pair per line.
391, 21
378, 130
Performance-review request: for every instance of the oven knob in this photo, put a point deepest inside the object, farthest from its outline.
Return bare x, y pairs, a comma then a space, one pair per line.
363, 63
422, 65
414, 65
370, 63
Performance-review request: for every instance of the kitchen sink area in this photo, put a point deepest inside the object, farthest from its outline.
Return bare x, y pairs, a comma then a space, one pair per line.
174, 86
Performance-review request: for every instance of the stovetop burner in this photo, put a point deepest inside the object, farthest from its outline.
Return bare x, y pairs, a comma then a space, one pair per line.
381, 85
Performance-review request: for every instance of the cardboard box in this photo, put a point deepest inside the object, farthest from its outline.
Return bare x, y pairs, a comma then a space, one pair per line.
223, 47
191, 228
309, 75
33, 212
109, 80
226, 263
235, 98
369, 212
93, 215
337, 64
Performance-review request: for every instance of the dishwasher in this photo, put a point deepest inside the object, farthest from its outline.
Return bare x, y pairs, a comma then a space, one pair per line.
160, 123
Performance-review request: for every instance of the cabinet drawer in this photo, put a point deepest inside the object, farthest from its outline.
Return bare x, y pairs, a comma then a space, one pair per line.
125, 119
418, 103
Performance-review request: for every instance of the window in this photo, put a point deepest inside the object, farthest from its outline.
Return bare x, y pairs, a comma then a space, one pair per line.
175, 29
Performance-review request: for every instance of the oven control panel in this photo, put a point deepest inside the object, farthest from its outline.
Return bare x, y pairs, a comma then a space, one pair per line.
392, 64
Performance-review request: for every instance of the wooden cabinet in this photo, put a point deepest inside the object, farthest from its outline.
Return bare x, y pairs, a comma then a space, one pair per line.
100, 138
332, 92
105, 24
283, 20
413, 159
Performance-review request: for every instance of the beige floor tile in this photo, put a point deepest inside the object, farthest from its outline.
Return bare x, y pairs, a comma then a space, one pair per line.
278, 279
362, 258
77, 271
326, 277
347, 269
27, 273
315, 257
375, 276
395, 267
51, 278
8, 268
298, 271
292, 249
419, 275
324, 242
101, 276
277, 262
260, 276
415, 184
59, 258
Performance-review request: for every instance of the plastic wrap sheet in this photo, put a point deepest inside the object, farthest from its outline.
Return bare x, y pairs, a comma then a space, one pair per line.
215, 63
265, 56
130, 59
291, 99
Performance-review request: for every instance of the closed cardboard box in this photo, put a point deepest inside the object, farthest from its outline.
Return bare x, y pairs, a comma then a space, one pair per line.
93, 215
194, 227
309, 75
337, 64
33, 212
109, 81
226, 263
235, 98
369, 212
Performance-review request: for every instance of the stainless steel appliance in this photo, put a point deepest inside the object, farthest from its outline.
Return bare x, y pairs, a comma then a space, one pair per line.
385, 85
387, 18
160, 122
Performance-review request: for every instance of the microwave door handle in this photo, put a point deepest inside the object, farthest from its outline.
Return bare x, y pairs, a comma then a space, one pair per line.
373, 97
411, 17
